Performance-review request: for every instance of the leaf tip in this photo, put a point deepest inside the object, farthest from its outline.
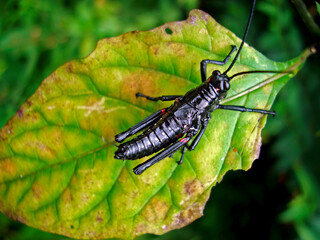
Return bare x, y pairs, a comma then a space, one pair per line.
196, 14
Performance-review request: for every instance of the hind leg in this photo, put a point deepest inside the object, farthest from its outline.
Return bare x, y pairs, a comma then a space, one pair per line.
160, 98
163, 154
149, 121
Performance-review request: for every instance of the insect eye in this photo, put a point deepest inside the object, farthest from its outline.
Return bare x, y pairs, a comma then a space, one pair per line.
226, 85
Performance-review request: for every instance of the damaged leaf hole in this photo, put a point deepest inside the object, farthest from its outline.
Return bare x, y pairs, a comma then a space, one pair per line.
168, 31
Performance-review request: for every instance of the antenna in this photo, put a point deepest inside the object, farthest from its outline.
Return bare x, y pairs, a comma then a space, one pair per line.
244, 37
259, 71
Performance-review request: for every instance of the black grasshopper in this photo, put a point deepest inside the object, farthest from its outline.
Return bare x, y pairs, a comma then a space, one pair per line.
172, 128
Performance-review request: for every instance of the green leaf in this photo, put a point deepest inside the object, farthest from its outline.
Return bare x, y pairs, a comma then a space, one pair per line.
318, 7
57, 169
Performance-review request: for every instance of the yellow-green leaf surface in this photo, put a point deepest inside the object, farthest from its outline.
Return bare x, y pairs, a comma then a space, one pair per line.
57, 170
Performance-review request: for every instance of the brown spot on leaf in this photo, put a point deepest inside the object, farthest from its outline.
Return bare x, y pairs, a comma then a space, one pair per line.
20, 113
193, 188
154, 50
235, 149
70, 67
140, 229
187, 215
258, 144
14, 216
67, 196
6, 131
99, 216
137, 82
20, 219
7, 166
193, 19
156, 210
45, 152
205, 16
37, 190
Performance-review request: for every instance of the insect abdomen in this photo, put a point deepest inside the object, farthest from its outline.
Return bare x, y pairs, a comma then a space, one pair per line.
159, 136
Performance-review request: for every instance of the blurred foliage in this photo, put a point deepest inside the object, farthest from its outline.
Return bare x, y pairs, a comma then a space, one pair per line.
280, 195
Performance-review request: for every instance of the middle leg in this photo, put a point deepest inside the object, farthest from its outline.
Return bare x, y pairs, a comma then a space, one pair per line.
244, 109
194, 142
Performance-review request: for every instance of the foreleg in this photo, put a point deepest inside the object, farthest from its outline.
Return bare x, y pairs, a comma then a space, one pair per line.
203, 64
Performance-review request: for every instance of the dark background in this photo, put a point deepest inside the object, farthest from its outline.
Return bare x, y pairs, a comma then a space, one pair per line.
279, 197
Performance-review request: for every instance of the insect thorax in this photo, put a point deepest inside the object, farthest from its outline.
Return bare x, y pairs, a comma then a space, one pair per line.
203, 97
